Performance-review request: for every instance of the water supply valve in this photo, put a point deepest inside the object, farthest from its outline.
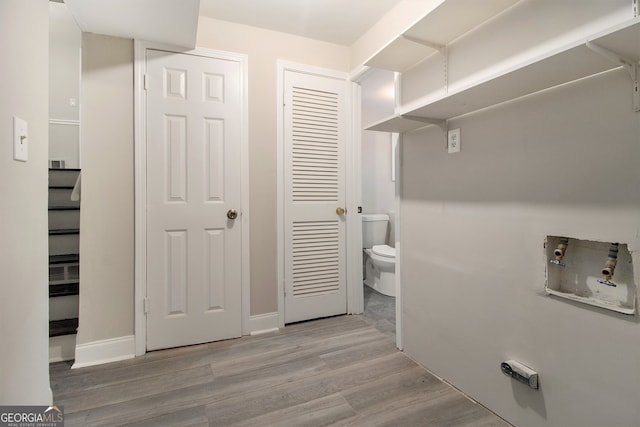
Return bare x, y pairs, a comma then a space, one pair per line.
559, 251
610, 266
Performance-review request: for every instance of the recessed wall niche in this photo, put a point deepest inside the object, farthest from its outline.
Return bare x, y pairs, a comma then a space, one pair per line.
578, 270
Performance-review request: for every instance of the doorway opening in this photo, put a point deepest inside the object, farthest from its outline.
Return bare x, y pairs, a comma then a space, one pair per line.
65, 40
381, 186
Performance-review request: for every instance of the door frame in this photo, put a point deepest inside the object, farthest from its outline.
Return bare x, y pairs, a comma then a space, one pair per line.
140, 184
357, 76
355, 297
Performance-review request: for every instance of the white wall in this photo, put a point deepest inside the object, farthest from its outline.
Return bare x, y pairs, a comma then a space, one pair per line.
563, 162
24, 306
378, 188
64, 84
264, 48
106, 205
106, 240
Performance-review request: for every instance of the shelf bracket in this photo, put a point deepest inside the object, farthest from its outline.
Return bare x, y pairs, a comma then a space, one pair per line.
629, 64
435, 46
442, 49
442, 124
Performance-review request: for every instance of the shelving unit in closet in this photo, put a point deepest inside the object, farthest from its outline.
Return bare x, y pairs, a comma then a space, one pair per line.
617, 46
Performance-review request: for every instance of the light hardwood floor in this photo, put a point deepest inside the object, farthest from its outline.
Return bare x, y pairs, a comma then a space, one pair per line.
339, 371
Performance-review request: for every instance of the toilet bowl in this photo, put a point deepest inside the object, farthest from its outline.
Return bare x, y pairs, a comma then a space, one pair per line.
379, 258
380, 269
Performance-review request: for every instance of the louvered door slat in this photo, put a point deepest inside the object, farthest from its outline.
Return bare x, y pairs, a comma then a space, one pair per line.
312, 239
308, 105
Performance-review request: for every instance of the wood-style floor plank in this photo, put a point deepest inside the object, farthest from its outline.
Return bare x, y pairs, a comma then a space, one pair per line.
316, 413
191, 417
121, 392
338, 371
304, 389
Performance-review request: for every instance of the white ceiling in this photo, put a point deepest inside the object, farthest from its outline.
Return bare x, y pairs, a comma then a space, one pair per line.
336, 21
165, 21
175, 21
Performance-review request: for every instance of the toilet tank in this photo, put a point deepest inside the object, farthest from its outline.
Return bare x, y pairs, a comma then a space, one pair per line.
374, 229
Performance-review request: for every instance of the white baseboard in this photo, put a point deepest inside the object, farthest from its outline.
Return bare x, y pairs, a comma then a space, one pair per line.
62, 348
104, 351
263, 323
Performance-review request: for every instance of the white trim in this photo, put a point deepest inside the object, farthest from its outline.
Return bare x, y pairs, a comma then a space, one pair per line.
104, 351
140, 291
80, 108
309, 69
244, 190
64, 122
263, 323
282, 67
397, 88
398, 242
140, 204
355, 291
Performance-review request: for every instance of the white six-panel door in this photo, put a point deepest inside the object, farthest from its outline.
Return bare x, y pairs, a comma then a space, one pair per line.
314, 192
193, 183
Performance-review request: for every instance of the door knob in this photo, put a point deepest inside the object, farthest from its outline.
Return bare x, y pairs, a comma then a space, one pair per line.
341, 211
232, 214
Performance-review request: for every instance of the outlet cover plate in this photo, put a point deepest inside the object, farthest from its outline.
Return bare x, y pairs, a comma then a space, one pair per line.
20, 140
453, 141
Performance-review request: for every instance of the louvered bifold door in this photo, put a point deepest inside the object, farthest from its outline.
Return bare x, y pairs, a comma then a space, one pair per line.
315, 138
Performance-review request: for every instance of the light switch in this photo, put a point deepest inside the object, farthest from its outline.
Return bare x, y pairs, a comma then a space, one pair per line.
20, 139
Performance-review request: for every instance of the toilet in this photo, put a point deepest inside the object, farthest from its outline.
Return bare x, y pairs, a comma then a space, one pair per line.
379, 257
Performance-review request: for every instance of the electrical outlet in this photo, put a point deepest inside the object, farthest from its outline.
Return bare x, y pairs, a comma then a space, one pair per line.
453, 141
20, 139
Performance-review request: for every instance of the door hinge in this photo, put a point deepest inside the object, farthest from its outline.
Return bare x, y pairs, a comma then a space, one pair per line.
144, 78
147, 305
